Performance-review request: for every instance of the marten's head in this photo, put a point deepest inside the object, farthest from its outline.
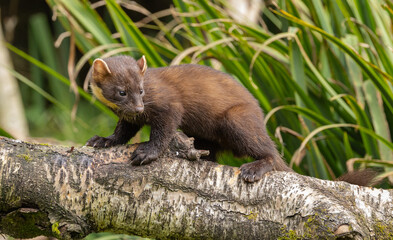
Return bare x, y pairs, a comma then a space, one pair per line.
118, 83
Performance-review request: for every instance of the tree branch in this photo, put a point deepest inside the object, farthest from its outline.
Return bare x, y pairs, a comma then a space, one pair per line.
70, 192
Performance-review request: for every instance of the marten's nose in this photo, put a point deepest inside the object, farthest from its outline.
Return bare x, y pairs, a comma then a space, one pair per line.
139, 109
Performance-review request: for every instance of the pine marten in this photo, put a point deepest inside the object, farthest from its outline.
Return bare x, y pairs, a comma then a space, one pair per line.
204, 103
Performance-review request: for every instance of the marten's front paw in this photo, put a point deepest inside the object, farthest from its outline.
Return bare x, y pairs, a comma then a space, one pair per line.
254, 171
101, 142
144, 154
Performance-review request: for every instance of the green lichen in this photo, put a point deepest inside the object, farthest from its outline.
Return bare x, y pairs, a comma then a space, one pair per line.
25, 224
383, 230
26, 157
252, 216
10, 200
314, 226
288, 235
312, 229
55, 229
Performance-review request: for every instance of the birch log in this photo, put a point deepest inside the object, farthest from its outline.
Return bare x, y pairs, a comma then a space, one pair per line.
70, 192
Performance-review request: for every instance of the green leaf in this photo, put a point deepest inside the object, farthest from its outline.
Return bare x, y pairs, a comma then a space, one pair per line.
347, 145
378, 118
59, 77
4, 133
366, 67
362, 119
88, 19
131, 35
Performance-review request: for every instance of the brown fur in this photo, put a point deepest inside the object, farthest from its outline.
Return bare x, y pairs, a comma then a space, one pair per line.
365, 177
204, 103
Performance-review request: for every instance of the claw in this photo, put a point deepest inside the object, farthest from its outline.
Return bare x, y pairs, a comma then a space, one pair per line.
143, 155
99, 142
146, 161
254, 171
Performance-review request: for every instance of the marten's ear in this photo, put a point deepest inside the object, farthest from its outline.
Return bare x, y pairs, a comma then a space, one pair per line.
100, 68
142, 64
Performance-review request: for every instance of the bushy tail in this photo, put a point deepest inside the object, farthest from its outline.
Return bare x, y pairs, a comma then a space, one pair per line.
364, 177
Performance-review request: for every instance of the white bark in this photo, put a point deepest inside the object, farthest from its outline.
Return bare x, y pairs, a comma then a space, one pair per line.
87, 190
245, 11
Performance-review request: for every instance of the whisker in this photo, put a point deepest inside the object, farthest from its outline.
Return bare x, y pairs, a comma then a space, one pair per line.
147, 103
154, 91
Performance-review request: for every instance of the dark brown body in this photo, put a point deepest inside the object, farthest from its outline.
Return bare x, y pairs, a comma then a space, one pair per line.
204, 103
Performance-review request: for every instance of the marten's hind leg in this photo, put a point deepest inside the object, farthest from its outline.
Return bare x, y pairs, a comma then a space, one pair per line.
245, 134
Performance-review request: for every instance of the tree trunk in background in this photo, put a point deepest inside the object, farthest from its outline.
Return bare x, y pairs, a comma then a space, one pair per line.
70, 192
12, 116
245, 11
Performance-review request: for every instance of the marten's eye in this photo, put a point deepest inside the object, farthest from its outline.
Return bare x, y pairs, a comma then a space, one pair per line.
141, 91
122, 93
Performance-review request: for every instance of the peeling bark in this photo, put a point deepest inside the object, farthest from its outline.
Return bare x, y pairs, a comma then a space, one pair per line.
70, 192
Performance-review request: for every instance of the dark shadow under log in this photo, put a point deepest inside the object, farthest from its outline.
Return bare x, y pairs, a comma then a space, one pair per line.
70, 192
